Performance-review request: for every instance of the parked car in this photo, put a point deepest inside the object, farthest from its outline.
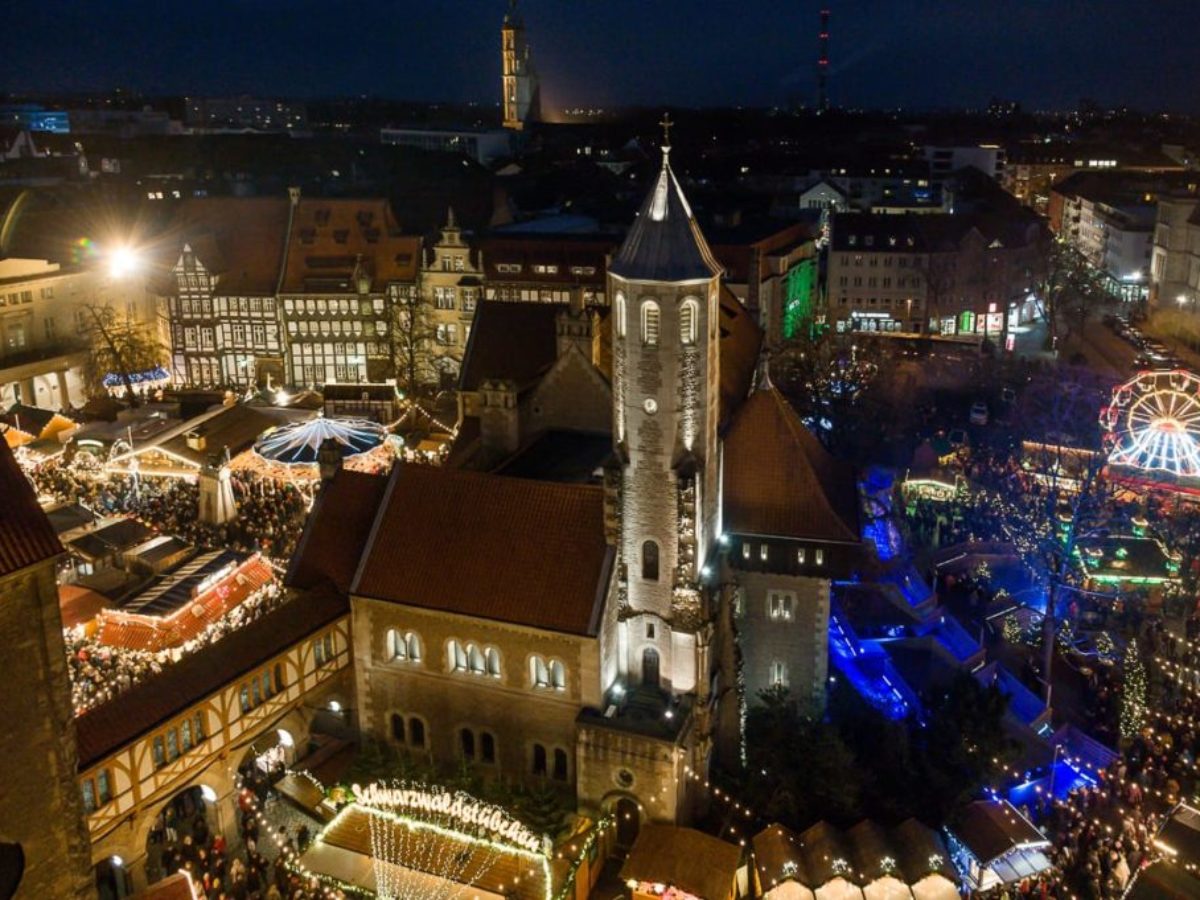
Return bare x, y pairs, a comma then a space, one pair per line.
979, 413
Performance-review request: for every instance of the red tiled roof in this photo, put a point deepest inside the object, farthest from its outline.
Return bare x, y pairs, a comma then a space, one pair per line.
508, 549
779, 480
239, 240
740, 341
331, 237
337, 531
26, 535
515, 341
110, 726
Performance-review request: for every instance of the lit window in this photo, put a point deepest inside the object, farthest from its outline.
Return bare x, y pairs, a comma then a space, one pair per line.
779, 674
689, 312
745, 551
456, 657
620, 315
492, 657
558, 675
762, 552
820, 557
539, 672
781, 605
800, 555
650, 323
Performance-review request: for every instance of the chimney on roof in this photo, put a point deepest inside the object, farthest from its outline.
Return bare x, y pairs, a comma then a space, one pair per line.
573, 327
499, 418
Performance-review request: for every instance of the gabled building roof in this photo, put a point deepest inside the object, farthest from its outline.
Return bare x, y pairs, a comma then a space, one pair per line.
664, 243
779, 481
508, 549
239, 240
337, 530
989, 829
26, 535
511, 341
334, 240
150, 703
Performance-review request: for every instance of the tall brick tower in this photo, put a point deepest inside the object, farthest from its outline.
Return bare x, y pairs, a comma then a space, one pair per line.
41, 809
665, 283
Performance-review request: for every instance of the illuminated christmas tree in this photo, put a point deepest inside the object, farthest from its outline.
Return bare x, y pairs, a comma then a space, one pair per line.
1133, 701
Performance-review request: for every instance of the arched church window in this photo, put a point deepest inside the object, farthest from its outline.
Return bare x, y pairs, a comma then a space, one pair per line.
689, 315
620, 313
650, 561
492, 658
650, 315
475, 659
558, 675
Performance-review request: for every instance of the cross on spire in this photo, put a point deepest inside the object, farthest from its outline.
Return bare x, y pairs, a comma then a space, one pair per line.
666, 124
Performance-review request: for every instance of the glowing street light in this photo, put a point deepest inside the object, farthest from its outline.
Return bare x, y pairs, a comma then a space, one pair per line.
123, 261
1181, 299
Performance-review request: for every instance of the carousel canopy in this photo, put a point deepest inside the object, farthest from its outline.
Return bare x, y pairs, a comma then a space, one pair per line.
300, 442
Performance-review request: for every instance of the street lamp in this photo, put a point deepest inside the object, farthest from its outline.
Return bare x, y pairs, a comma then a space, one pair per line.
123, 261
1181, 299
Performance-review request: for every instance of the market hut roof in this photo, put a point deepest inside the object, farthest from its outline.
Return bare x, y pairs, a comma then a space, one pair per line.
778, 857
989, 829
684, 858
779, 480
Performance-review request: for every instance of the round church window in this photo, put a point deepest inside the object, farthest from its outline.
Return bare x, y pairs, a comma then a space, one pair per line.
651, 405
624, 778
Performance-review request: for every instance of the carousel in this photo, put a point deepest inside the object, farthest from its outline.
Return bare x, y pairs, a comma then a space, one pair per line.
292, 453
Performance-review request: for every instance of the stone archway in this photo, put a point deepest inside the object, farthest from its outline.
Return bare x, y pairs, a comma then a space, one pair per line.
628, 816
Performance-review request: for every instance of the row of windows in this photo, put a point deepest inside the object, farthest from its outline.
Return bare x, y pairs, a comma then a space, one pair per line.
908, 302
167, 746
262, 687
480, 746
226, 306
16, 297
885, 282
469, 658
335, 327
689, 317
97, 791
544, 269
447, 298
406, 647
764, 554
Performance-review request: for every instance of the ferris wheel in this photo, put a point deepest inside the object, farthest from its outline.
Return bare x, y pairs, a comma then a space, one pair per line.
1153, 423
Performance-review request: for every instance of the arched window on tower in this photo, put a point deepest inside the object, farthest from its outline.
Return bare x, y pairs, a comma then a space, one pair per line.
492, 657
620, 313
650, 561
689, 315
650, 314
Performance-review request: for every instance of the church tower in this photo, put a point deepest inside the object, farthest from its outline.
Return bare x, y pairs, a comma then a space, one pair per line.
664, 282
521, 97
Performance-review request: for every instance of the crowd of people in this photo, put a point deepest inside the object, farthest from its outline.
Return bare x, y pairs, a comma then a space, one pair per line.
270, 513
256, 867
99, 672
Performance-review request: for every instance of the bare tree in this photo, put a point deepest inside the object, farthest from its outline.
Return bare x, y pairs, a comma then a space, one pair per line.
1068, 291
417, 357
118, 345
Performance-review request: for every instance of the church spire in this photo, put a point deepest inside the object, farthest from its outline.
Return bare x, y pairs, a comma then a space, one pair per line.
665, 243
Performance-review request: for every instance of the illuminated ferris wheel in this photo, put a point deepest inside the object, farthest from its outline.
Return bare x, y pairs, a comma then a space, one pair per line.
1153, 423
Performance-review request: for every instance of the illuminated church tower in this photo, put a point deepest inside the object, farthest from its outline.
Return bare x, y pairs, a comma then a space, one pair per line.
520, 82
665, 283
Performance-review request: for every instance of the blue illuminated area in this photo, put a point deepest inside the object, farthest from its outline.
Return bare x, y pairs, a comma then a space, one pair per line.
865, 664
1037, 786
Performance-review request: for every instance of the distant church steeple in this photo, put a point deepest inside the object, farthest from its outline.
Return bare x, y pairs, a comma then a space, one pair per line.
521, 96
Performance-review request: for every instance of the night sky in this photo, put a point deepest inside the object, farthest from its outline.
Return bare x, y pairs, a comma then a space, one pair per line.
917, 53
